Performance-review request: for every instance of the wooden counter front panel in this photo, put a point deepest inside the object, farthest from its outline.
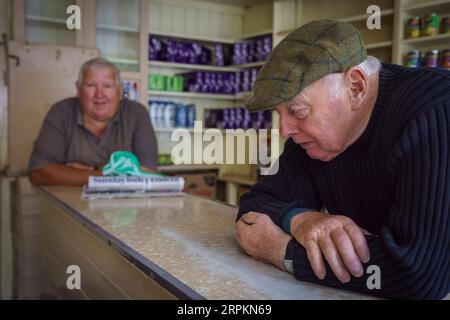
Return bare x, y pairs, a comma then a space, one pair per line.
104, 273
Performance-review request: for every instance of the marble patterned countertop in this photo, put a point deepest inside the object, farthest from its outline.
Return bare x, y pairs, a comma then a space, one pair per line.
189, 243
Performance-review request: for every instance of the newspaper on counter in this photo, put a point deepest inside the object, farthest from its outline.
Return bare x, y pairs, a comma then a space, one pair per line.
101, 187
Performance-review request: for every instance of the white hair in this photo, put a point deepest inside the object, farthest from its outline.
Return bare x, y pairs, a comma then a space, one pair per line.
333, 81
98, 63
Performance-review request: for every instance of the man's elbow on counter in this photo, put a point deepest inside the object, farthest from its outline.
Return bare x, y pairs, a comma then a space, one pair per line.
36, 177
424, 285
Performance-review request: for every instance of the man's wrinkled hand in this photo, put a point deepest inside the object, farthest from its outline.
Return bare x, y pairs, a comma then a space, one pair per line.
334, 237
261, 238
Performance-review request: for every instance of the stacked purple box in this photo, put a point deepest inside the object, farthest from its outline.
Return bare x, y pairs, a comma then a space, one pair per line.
237, 118
211, 82
247, 79
220, 82
178, 51
171, 50
255, 50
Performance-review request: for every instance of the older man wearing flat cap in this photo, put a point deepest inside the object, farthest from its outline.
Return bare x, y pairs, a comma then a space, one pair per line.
364, 178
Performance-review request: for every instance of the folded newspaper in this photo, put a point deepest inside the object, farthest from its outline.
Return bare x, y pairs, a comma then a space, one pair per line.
108, 187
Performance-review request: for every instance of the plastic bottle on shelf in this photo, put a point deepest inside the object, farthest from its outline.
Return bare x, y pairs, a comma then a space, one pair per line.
181, 115
153, 104
170, 113
191, 114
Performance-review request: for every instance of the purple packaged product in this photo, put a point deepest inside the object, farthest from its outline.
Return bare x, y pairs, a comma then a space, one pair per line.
218, 54
213, 85
195, 53
245, 84
228, 83
226, 122
251, 52
239, 120
171, 51
237, 54
206, 85
253, 76
180, 53
220, 83
267, 47
244, 52
231, 118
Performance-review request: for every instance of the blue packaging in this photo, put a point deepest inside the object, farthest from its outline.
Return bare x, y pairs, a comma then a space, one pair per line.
191, 113
182, 116
170, 113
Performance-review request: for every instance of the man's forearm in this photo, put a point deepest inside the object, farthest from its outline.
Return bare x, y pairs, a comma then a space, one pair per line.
60, 174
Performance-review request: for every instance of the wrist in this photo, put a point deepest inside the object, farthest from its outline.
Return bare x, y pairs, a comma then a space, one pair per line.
288, 261
281, 252
297, 220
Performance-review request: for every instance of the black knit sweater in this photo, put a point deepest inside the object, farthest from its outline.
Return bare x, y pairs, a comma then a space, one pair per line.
394, 181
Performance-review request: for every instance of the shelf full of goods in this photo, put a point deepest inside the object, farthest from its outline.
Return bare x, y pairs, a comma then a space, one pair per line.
421, 28
234, 78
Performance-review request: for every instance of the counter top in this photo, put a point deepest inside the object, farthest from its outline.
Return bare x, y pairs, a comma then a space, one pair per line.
187, 244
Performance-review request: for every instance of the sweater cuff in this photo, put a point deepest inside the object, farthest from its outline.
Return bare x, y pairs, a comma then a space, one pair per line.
287, 218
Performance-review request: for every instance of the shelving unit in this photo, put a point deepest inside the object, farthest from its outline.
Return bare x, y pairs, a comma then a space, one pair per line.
187, 66
409, 8
204, 22
46, 22
178, 94
117, 32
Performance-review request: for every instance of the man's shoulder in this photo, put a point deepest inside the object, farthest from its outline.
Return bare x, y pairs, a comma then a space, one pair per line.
133, 109
63, 109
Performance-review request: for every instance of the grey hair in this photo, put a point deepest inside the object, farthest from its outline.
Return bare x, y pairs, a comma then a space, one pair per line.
98, 63
333, 81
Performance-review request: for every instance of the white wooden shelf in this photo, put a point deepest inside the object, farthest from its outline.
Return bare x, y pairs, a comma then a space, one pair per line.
250, 65
212, 39
437, 5
441, 38
355, 18
121, 60
256, 34
192, 95
46, 19
377, 45
188, 66
361, 17
117, 28
191, 37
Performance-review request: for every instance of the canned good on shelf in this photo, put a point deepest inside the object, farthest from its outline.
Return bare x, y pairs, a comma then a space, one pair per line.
413, 58
413, 27
432, 59
445, 25
445, 61
430, 25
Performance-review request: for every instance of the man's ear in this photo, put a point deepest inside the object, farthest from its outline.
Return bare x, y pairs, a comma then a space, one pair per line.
357, 81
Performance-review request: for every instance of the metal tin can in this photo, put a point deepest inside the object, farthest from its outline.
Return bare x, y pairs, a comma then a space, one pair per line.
430, 25
445, 25
413, 27
445, 61
432, 59
413, 59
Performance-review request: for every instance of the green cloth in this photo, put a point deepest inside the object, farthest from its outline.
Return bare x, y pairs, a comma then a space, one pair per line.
125, 163
307, 54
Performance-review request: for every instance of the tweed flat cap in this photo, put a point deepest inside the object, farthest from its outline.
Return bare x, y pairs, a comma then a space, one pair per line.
307, 54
